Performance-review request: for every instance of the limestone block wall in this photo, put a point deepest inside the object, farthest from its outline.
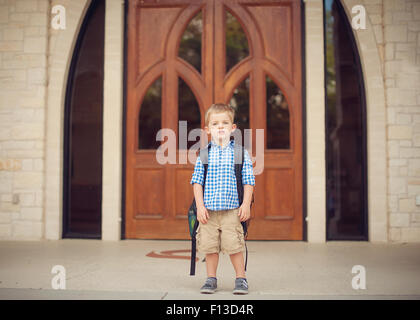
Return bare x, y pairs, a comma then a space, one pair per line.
401, 37
23, 83
34, 60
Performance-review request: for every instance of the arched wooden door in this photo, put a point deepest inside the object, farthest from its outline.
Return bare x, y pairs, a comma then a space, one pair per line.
185, 55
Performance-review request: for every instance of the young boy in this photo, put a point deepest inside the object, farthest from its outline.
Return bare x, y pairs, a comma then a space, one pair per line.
219, 212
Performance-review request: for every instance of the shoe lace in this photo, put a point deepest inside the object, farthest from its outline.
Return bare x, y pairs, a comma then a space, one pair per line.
242, 282
210, 282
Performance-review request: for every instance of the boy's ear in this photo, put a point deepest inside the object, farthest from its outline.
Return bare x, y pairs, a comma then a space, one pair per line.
233, 127
207, 129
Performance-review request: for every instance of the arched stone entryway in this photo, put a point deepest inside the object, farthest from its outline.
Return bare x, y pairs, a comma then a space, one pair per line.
61, 48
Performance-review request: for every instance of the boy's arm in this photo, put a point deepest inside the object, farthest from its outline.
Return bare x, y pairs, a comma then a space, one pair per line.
198, 195
197, 181
202, 213
248, 190
244, 212
248, 179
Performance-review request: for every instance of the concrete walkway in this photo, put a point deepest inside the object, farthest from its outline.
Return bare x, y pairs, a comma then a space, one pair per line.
97, 269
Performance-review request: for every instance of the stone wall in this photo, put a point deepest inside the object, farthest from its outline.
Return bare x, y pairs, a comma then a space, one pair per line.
402, 81
23, 82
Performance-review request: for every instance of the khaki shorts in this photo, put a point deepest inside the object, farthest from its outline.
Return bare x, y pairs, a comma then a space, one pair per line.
222, 232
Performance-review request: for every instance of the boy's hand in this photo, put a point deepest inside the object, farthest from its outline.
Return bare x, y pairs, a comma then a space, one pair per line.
244, 212
202, 214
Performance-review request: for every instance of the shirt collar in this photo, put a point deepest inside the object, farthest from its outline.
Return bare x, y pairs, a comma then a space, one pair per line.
230, 144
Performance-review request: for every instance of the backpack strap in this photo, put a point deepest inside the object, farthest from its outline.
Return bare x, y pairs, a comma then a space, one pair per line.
204, 156
193, 244
238, 162
239, 156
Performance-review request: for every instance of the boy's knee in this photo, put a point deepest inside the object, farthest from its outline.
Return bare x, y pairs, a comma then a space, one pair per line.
212, 255
236, 254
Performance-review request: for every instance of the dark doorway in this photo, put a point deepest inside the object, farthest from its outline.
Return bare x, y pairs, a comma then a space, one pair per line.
83, 130
346, 152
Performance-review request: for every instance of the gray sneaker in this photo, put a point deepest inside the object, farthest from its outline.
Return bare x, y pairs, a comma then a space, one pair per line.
209, 286
241, 286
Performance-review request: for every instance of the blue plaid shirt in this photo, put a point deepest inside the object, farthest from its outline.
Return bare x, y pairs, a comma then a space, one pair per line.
220, 192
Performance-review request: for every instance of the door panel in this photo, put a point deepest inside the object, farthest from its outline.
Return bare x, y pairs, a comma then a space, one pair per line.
149, 184
251, 58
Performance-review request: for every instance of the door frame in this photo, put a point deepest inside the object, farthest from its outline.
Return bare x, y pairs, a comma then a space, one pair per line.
304, 146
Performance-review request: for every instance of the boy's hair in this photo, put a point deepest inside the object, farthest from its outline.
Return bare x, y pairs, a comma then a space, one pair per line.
219, 108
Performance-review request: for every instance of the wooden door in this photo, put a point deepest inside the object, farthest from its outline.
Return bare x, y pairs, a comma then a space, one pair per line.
183, 56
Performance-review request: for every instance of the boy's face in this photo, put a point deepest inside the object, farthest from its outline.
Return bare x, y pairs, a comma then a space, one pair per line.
220, 127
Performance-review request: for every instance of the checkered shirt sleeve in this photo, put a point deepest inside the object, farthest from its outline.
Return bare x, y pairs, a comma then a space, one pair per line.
198, 174
247, 172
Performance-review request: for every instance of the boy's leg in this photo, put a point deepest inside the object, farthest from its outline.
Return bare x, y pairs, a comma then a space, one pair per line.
232, 240
212, 260
238, 263
241, 284
208, 240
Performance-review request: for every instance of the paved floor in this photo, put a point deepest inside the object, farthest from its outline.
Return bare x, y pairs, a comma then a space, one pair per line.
276, 270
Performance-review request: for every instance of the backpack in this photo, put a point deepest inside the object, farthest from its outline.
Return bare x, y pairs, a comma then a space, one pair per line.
192, 212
